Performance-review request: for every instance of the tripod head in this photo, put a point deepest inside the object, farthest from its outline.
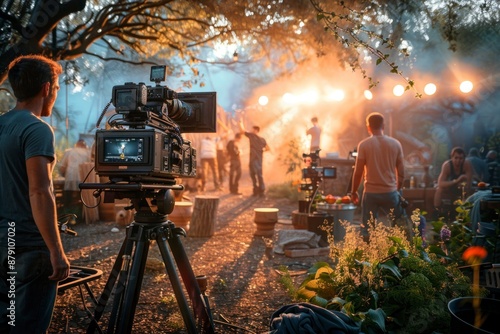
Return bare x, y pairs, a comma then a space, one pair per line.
152, 201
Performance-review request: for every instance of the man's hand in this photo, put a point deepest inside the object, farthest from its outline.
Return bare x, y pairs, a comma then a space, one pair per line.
60, 267
355, 198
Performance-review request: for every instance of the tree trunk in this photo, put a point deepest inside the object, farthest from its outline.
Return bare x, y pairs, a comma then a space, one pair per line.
204, 216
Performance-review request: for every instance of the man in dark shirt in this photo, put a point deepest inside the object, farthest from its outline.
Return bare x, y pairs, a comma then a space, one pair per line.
32, 259
233, 152
257, 146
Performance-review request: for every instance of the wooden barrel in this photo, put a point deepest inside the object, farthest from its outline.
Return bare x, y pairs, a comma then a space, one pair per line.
181, 215
265, 219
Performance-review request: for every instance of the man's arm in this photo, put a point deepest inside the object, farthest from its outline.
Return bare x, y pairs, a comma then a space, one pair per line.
400, 170
43, 206
357, 175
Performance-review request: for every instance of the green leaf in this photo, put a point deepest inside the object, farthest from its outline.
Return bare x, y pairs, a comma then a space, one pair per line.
391, 266
305, 294
319, 301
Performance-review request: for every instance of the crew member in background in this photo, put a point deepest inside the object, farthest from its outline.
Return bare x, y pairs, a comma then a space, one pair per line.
380, 162
315, 133
493, 169
257, 146
70, 170
32, 257
454, 182
479, 166
208, 159
233, 152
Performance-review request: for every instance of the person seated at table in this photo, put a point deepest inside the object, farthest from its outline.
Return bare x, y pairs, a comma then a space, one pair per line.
454, 182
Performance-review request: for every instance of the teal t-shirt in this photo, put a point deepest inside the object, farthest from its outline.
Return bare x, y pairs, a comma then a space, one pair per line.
22, 136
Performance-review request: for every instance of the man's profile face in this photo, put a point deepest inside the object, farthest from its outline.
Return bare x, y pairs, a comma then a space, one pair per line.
51, 99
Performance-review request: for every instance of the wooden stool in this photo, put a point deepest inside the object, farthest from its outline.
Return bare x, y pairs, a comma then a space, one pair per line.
204, 216
265, 219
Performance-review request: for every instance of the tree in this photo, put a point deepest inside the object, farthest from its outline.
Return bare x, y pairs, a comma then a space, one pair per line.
184, 32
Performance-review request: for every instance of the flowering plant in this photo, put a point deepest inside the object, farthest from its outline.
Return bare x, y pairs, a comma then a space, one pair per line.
387, 285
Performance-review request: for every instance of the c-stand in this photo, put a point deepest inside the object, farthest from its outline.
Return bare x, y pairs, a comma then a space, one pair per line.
128, 270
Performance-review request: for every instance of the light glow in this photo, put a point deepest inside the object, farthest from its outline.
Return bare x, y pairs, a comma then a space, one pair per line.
398, 90
466, 86
430, 88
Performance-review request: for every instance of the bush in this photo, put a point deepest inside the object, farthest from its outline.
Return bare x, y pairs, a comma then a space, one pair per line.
389, 283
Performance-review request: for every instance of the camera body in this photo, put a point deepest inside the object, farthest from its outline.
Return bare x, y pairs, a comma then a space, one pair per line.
143, 153
145, 142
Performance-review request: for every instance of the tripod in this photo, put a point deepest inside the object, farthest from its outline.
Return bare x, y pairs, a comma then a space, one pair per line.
128, 270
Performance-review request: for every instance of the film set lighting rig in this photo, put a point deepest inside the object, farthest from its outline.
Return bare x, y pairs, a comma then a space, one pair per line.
142, 153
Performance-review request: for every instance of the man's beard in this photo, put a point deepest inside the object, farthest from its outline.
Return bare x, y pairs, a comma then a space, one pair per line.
48, 104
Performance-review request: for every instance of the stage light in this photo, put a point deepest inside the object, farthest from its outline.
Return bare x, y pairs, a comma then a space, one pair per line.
430, 89
263, 100
398, 90
466, 86
368, 94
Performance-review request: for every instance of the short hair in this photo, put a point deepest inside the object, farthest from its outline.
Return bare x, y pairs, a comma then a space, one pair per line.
473, 152
27, 74
314, 119
457, 150
255, 127
375, 120
492, 154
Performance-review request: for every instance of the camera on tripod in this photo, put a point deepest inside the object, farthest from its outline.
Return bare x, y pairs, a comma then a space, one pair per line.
312, 171
145, 140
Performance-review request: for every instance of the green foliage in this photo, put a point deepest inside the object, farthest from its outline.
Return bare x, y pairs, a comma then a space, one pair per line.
389, 284
288, 190
450, 248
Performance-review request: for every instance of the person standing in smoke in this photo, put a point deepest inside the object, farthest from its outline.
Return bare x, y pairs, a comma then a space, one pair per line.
315, 133
257, 146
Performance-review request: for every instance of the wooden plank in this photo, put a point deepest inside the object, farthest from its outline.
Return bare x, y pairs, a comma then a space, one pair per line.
307, 252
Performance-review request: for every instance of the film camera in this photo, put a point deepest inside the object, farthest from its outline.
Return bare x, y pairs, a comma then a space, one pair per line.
145, 140
312, 175
315, 173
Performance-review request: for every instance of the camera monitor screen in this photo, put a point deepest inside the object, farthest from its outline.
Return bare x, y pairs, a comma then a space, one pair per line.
123, 150
329, 172
158, 73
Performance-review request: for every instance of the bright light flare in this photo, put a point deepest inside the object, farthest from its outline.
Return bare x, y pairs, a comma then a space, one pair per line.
430, 88
263, 100
289, 98
336, 95
398, 90
309, 97
368, 94
466, 86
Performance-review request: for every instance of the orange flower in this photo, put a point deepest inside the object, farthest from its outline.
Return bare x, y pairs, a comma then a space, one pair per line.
474, 254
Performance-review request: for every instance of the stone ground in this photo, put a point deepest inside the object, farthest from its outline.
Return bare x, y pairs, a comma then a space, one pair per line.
243, 272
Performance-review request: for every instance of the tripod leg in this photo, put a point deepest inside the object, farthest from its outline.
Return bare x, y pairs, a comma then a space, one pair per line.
133, 284
200, 308
176, 285
108, 288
